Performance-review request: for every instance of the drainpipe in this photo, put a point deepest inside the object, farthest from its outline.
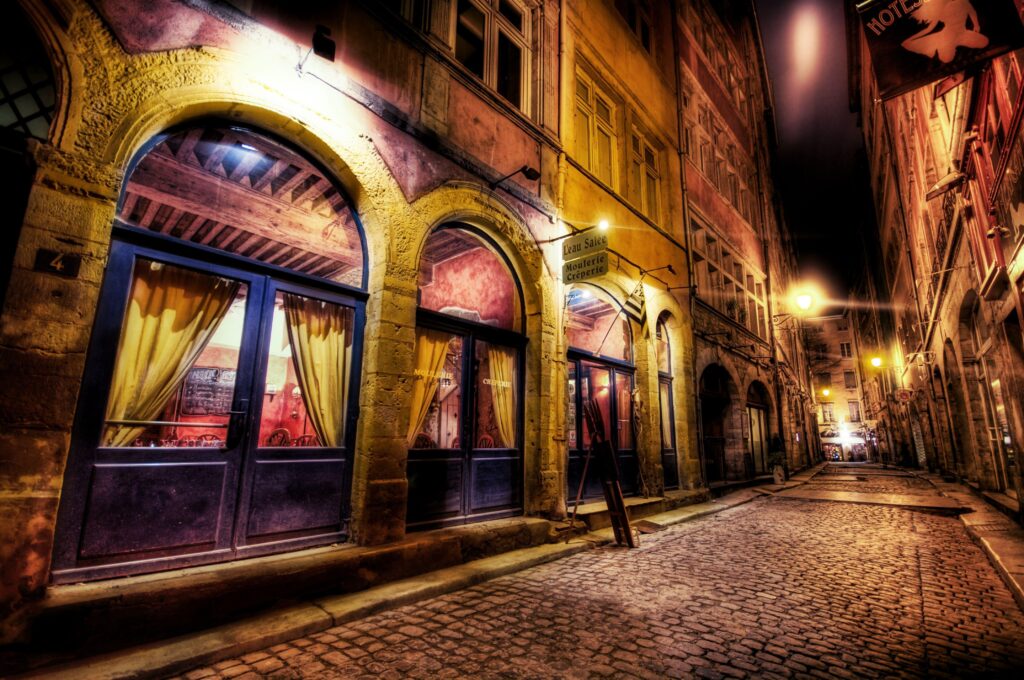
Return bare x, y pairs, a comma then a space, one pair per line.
691, 287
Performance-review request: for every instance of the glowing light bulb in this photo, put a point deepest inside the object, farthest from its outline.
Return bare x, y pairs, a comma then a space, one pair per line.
602, 225
825, 392
876, 361
804, 301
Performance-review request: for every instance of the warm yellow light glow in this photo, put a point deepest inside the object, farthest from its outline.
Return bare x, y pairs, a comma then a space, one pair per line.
805, 298
603, 225
876, 361
806, 44
825, 392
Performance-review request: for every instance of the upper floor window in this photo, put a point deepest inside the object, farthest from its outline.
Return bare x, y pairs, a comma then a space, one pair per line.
492, 41
850, 379
854, 411
827, 413
594, 120
845, 350
644, 175
638, 17
413, 11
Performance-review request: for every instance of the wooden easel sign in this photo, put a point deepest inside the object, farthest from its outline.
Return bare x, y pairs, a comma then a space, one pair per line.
604, 455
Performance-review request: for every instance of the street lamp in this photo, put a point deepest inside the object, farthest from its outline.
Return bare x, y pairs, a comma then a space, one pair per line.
601, 226
876, 362
825, 392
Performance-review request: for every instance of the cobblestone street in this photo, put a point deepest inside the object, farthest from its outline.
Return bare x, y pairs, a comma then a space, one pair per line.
773, 588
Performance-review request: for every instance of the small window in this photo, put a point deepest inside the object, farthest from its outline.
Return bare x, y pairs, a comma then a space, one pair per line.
824, 380
644, 176
595, 129
850, 379
845, 350
854, 411
492, 41
638, 17
827, 413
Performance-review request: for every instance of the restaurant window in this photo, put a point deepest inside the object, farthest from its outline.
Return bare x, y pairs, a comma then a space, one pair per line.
227, 346
492, 41
644, 175
600, 338
464, 433
637, 15
596, 136
850, 379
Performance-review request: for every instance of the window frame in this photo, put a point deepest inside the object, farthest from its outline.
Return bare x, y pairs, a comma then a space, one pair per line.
495, 25
638, 158
594, 125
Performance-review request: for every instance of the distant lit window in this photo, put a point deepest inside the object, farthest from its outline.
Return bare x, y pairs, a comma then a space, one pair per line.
594, 120
492, 41
850, 378
638, 17
845, 350
827, 413
854, 411
644, 175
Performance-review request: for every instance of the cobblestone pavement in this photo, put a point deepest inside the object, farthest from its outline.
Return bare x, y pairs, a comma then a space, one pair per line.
769, 589
898, 485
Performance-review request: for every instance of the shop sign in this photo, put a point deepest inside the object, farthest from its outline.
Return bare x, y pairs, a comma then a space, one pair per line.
583, 244
585, 268
916, 42
904, 395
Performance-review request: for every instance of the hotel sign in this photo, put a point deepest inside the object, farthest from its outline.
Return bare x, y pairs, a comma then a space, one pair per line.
916, 42
585, 268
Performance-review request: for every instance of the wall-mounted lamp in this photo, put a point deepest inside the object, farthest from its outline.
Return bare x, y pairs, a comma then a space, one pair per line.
532, 174
601, 226
323, 46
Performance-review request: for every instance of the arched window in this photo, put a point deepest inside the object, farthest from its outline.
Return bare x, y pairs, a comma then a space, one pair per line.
464, 436
666, 407
28, 95
600, 338
757, 422
224, 366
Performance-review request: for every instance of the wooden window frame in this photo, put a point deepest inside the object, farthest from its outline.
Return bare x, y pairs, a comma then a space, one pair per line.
495, 25
638, 156
595, 124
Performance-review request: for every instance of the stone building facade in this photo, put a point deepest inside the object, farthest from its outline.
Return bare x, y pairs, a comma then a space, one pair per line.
838, 365
285, 280
946, 176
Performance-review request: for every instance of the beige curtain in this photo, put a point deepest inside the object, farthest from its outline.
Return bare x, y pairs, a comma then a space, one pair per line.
172, 314
431, 350
321, 338
503, 392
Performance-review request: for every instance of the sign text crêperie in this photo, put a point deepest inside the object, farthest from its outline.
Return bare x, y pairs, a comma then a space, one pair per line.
585, 268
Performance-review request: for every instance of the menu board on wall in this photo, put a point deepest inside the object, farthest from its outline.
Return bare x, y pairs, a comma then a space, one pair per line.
208, 391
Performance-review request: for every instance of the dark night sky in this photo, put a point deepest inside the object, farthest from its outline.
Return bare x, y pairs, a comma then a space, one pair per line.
823, 179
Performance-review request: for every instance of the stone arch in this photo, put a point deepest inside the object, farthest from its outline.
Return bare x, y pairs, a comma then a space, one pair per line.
972, 332
957, 405
721, 427
67, 70
465, 203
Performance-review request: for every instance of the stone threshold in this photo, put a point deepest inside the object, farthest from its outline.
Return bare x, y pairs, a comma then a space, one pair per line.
595, 514
90, 618
936, 504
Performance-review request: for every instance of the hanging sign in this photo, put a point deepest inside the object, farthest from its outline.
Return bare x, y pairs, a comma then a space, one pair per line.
581, 245
585, 268
916, 42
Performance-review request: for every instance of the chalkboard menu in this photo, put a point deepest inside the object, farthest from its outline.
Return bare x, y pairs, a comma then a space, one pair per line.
208, 392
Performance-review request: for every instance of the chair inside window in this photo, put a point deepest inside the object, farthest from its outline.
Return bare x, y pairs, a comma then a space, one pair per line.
306, 440
423, 441
278, 437
485, 441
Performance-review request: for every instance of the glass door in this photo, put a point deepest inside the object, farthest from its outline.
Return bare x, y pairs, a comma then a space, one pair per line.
224, 423
610, 388
465, 461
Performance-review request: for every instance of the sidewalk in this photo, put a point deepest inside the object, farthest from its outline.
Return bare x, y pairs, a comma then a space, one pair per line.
165, 657
1001, 538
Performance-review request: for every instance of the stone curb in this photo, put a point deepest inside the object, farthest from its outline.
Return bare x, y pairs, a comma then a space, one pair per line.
161, 658
997, 546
